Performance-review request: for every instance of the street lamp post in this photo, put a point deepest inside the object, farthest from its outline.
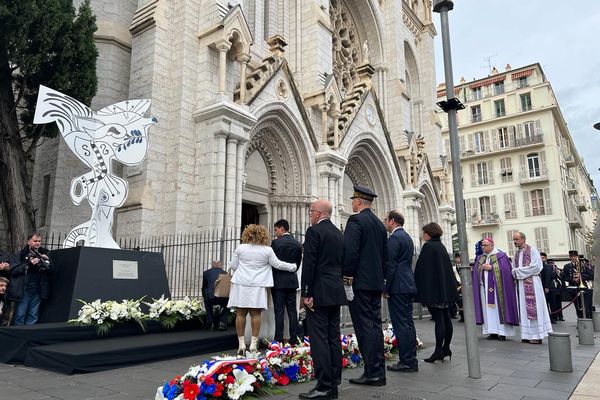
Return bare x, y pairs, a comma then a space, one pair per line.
450, 106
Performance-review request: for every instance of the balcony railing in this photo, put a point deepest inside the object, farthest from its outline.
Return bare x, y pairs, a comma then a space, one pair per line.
496, 146
485, 220
571, 187
574, 217
533, 175
570, 160
581, 205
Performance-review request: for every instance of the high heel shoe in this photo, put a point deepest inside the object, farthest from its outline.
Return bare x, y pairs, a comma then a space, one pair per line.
241, 346
434, 357
254, 344
446, 353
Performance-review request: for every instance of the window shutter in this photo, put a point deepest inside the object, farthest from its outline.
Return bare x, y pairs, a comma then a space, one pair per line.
527, 204
462, 144
523, 162
469, 210
538, 238
545, 245
519, 131
490, 170
511, 135
538, 127
493, 203
508, 162
547, 201
513, 205
488, 140
473, 175
471, 142
447, 145
543, 161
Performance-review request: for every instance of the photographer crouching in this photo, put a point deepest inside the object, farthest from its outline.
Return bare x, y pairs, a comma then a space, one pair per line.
29, 283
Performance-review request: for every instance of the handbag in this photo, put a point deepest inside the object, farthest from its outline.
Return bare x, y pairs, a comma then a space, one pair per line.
223, 285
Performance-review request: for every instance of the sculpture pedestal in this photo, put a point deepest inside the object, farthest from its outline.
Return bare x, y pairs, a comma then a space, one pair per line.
90, 273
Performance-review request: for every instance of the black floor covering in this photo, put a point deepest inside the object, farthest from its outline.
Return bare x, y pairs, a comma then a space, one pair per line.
70, 349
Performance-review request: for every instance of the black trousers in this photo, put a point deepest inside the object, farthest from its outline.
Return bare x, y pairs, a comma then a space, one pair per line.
325, 345
401, 313
583, 303
554, 300
365, 311
285, 299
211, 318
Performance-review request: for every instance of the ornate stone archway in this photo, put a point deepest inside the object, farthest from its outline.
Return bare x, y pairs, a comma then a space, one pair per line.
286, 190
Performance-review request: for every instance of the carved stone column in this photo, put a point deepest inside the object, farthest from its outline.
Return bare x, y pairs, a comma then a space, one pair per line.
447, 215
413, 201
217, 219
336, 130
243, 60
223, 47
230, 183
240, 182
324, 122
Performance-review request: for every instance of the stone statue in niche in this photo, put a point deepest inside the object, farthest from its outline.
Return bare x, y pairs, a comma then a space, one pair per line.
366, 52
117, 132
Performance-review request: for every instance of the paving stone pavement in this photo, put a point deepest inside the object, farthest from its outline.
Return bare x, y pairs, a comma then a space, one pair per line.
510, 370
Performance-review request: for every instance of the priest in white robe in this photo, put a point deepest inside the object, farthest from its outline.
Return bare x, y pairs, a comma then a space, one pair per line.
533, 312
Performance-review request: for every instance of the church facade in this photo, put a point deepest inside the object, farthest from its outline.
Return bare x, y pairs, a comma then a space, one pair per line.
264, 106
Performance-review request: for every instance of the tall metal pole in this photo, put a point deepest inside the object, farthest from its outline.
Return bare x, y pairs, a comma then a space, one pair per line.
451, 105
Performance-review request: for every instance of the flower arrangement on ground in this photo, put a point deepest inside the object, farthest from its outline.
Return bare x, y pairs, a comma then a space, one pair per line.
169, 312
105, 315
289, 363
221, 378
390, 344
351, 357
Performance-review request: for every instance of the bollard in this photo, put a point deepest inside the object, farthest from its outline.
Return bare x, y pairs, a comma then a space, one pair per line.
585, 330
596, 319
559, 349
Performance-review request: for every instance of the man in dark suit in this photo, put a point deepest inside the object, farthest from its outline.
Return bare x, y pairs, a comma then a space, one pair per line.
285, 283
209, 277
364, 265
578, 275
323, 294
400, 291
552, 284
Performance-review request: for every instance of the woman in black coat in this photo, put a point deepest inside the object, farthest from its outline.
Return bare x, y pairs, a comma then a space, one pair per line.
436, 288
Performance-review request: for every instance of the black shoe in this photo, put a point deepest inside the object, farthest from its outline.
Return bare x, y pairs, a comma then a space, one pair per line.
399, 367
561, 319
502, 338
553, 322
434, 357
363, 380
222, 326
446, 353
461, 319
334, 392
315, 394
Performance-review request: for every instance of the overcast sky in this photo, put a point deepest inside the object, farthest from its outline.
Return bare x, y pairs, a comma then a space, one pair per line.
563, 36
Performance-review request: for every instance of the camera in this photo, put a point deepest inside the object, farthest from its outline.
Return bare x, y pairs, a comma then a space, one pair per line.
44, 264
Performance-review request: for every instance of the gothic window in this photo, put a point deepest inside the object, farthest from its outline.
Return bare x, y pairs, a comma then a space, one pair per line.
346, 45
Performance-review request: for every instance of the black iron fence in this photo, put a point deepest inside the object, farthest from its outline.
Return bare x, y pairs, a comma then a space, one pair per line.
187, 256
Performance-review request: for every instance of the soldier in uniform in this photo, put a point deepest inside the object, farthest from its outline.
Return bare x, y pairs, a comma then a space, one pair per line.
552, 287
578, 276
364, 268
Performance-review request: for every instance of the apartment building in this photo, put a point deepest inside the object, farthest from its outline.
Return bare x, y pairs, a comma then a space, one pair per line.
520, 168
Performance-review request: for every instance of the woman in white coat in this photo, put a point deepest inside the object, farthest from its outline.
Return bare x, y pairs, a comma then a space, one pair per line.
252, 275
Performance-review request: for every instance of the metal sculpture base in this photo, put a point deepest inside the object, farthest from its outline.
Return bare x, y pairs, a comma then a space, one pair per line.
90, 273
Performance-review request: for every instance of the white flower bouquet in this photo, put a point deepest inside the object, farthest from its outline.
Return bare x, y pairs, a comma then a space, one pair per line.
105, 315
169, 312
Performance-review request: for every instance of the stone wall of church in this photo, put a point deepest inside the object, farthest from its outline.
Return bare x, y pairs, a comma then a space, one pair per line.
183, 185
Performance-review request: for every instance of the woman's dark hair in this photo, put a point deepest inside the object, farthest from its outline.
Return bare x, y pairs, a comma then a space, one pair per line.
433, 230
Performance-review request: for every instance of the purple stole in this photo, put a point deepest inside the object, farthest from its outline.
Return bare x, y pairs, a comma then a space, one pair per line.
529, 290
495, 289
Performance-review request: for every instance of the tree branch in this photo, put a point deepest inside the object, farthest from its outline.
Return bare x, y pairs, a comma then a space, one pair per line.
20, 95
